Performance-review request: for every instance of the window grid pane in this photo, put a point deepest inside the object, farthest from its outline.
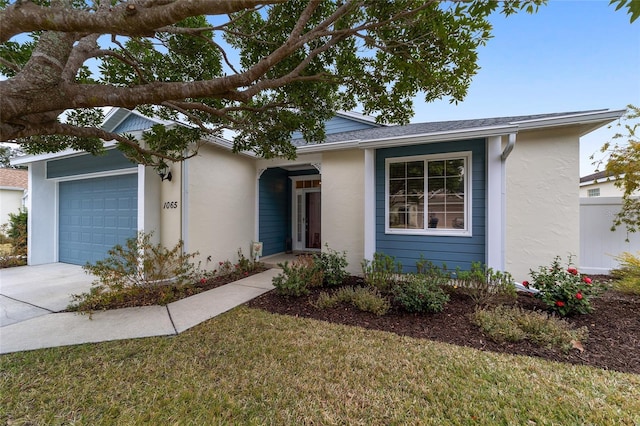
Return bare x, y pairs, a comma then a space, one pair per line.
406, 195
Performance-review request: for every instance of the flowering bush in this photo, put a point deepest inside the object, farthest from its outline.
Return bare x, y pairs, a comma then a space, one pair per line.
564, 290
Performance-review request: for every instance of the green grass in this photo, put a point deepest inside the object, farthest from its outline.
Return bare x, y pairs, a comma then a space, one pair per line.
251, 367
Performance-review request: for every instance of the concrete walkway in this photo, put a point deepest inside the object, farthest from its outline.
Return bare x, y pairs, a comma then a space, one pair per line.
41, 326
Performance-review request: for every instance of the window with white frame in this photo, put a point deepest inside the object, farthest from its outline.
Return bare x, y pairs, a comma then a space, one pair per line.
593, 192
429, 194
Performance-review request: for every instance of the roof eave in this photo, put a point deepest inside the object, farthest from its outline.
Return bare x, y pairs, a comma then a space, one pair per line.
591, 121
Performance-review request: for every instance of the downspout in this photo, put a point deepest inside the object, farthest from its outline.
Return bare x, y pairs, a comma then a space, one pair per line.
509, 147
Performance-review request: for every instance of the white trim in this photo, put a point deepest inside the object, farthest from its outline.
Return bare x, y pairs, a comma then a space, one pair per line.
105, 173
29, 213
56, 222
495, 205
468, 173
445, 136
184, 194
141, 197
256, 219
369, 203
294, 207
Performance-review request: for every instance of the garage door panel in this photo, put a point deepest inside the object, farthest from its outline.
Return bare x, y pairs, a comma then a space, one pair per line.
96, 214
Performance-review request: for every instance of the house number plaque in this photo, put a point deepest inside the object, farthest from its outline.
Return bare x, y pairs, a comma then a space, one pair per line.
170, 205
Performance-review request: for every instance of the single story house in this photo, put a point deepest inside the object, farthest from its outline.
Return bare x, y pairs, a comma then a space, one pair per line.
13, 192
501, 191
599, 184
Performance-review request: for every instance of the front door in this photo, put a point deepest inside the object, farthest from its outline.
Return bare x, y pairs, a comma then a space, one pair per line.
307, 219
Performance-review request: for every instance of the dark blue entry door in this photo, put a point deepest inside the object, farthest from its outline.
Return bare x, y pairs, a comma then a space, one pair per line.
94, 215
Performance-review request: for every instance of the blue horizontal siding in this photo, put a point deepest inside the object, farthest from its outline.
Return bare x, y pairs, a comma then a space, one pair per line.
339, 125
134, 122
274, 222
83, 164
454, 251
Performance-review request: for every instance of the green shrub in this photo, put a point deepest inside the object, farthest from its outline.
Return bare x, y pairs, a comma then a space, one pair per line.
365, 299
513, 324
333, 265
297, 277
13, 236
141, 263
564, 290
128, 270
628, 275
420, 293
382, 273
486, 286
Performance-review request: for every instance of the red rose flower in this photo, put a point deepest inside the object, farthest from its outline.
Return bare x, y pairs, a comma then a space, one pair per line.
246, 274
587, 280
525, 283
203, 280
579, 296
572, 271
559, 303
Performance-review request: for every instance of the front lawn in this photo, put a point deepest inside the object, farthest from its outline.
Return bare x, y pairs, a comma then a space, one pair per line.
252, 367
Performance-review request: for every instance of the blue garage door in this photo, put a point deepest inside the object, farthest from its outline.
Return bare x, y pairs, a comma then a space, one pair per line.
96, 214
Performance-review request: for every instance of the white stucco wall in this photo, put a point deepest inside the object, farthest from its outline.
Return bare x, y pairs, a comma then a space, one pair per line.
543, 209
43, 215
10, 202
343, 204
221, 205
170, 207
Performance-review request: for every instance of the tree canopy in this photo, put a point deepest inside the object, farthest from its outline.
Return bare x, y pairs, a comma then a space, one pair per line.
622, 162
260, 68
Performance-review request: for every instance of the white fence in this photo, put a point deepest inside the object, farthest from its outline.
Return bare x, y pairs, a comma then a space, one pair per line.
598, 244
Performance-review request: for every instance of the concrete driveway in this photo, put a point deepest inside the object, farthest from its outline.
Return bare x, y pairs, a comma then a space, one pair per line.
31, 291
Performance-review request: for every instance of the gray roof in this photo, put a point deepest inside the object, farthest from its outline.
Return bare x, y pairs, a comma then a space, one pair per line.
391, 132
595, 176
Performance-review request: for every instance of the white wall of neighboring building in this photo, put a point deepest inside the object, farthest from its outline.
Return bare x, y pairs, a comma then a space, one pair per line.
343, 204
543, 206
606, 186
10, 202
220, 198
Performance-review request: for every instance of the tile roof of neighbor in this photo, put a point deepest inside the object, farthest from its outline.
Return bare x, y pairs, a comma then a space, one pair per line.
14, 178
433, 127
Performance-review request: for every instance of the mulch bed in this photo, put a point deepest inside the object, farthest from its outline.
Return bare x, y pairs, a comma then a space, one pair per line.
614, 326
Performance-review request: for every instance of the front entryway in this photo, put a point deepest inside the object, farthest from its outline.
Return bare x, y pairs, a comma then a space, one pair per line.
307, 223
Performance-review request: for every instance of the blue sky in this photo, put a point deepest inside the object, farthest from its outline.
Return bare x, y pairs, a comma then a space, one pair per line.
570, 56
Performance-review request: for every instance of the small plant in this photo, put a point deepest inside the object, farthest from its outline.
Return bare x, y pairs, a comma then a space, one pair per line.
564, 290
129, 271
513, 324
297, 277
382, 273
486, 286
628, 275
332, 264
14, 240
420, 293
365, 299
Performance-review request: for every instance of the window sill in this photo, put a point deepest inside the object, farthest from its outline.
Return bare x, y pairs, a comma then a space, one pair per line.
430, 232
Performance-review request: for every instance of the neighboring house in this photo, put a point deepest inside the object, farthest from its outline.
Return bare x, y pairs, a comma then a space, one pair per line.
500, 191
13, 192
599, 184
